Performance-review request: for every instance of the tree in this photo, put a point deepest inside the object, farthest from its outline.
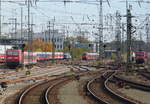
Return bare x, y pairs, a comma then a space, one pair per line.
38, 45
76, 52
70, 47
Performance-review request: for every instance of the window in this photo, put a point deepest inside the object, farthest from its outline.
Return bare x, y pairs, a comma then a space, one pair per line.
14, 53
84, 54
60, 46
139, 54
58, 40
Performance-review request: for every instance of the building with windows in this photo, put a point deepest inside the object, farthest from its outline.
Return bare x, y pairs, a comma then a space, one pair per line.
55, 35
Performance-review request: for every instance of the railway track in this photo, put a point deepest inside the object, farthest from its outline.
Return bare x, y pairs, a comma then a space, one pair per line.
36, 75
39, 93
146, 75
134, 84
107, 96
36, 93
50, 96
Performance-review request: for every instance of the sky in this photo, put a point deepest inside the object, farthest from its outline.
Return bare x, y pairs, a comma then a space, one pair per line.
68, 16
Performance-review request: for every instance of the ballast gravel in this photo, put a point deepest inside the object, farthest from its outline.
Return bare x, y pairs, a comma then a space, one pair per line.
69, 94
139, 95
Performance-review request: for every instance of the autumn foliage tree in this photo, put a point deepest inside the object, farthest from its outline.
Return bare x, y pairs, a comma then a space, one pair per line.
38, 45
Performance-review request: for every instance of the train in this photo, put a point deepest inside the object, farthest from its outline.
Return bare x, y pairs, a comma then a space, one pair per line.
90, 56
95, 56
139, 57
67, 55
15, 57
3, 48
45, 56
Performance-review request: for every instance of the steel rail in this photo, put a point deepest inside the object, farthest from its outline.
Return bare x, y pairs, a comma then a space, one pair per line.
25, 92
134, 84
50, 88
96, 97
145, 74
126, 100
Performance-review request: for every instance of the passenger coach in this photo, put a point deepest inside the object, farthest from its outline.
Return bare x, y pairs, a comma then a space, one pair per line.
90, 56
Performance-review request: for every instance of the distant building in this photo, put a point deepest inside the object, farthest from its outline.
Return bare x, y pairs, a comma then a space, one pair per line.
56, 35
77, 44
18, 34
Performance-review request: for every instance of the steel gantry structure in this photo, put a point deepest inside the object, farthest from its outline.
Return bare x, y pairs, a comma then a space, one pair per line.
118, 36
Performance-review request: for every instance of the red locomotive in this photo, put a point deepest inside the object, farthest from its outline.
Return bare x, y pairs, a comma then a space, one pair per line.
3, 49
139, 57
90, 56
2, 58
15, 57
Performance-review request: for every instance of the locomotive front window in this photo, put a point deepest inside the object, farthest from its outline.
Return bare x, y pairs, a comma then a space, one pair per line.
12, 53
84, 54
139, 54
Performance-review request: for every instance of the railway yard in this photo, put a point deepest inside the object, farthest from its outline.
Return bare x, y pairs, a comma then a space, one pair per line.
74, 84
74, 52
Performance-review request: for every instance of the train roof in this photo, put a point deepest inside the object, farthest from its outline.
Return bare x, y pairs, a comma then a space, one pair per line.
48, 52
88, 53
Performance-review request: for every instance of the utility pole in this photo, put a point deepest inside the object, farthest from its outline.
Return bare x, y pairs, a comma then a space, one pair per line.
129, 27
101, 30
14, 22
31, 28
23, 66
140, 43
53, 43
123, 38
32, 32
147, 33
21, 24
0, 18
29, 21
29, 38
49, 30
118, 36
53, 47
15, 27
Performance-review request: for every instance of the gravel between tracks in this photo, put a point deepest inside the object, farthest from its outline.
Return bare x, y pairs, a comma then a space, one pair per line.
69, 94
11, 93
81, 89
116, 89
136, 77
73, 92
142, 96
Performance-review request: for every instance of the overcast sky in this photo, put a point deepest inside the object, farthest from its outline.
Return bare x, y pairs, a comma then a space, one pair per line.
81, 13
